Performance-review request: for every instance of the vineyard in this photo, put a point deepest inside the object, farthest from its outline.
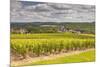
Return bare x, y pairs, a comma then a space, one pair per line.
35, 45
51, 33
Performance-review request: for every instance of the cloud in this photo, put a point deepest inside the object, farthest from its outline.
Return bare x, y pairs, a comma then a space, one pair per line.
51, 12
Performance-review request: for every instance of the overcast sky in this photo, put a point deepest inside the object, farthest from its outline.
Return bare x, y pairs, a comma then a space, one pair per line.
51, 12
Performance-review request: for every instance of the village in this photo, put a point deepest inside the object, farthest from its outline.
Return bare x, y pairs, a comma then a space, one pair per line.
60, 28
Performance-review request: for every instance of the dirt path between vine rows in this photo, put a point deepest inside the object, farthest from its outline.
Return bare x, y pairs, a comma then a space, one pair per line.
50, 57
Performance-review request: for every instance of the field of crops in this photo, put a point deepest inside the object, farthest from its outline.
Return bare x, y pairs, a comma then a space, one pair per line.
33, 45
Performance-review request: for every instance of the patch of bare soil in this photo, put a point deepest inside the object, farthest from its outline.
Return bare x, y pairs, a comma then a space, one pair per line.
50, 57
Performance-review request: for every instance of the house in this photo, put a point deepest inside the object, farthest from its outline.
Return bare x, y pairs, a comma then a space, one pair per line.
23, 31
20, 31
63, 29
77, 31
48, 26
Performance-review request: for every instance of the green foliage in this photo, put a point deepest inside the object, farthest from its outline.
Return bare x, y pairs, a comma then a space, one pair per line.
53, 27
45, 44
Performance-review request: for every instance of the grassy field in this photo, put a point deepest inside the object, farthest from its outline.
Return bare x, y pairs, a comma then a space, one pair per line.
51, 36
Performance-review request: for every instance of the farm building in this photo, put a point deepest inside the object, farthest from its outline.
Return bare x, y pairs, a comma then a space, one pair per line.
20, 30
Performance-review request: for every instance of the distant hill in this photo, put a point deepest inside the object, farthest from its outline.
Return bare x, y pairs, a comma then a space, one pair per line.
36, 27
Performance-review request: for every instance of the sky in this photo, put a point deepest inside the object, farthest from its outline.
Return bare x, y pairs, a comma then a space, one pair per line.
31, 11
89, 2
